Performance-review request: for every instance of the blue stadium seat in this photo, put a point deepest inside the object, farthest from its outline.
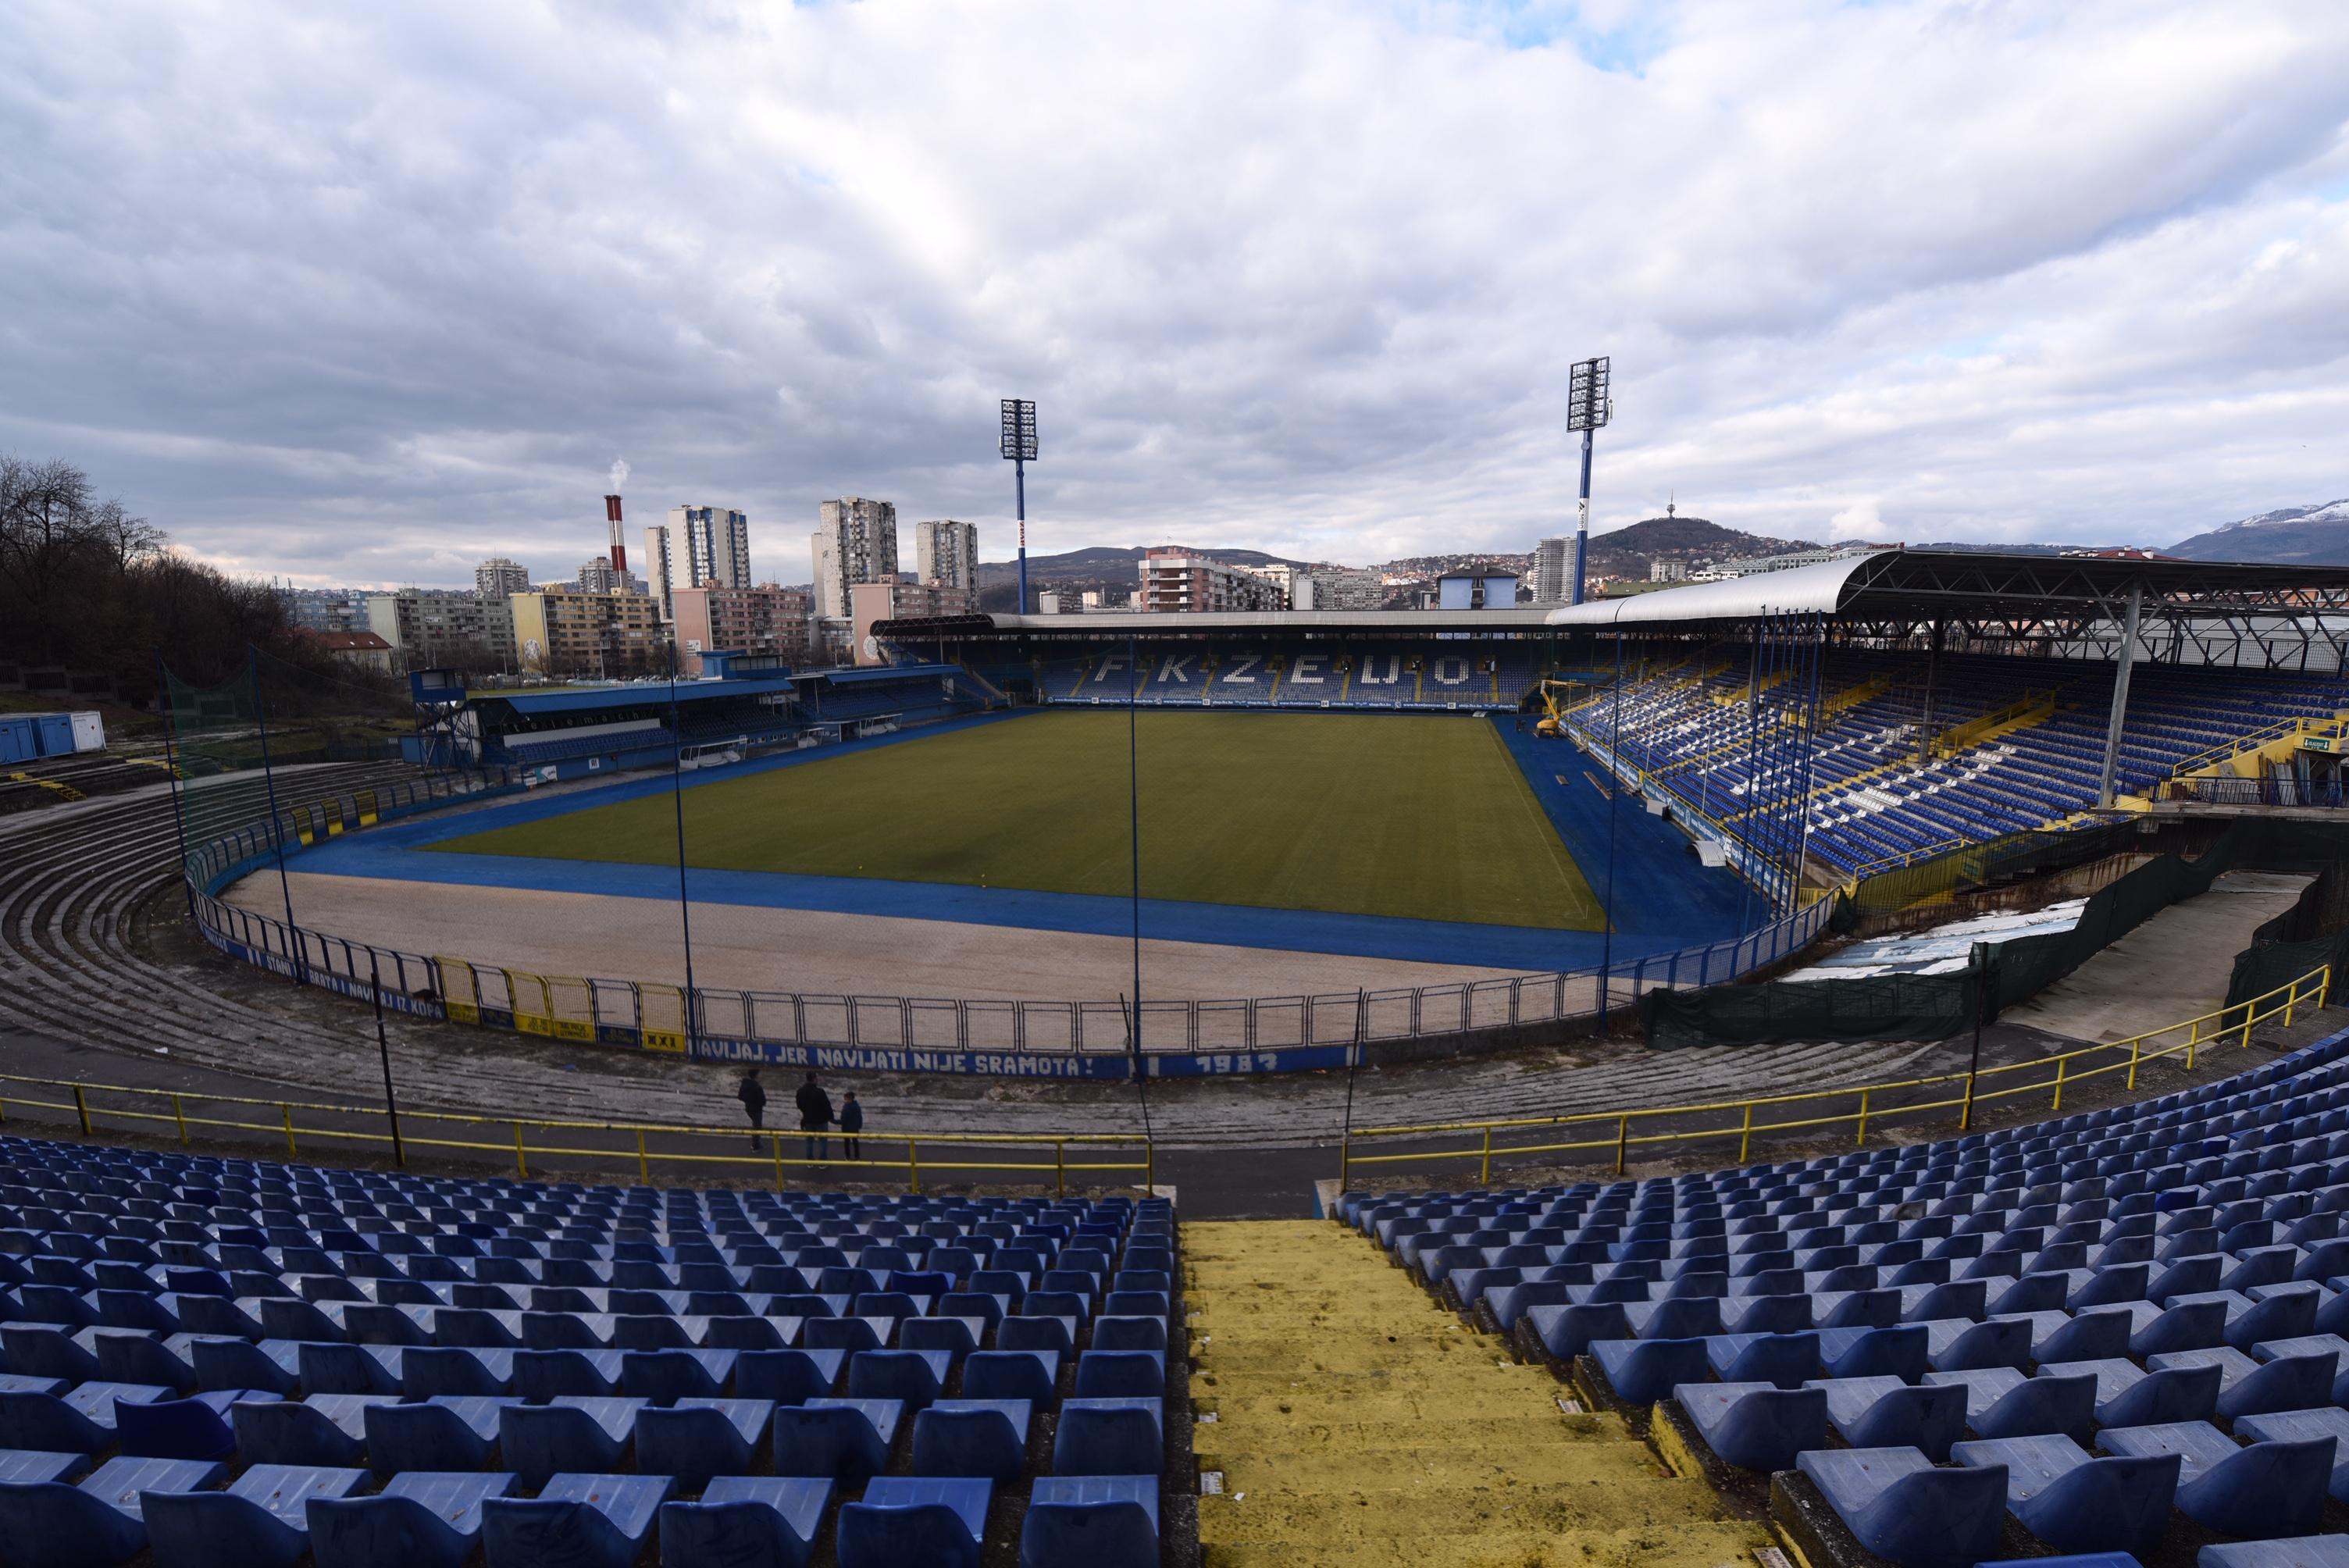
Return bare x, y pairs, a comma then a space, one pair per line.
542, 1375
695, 1440
2126, 1397
787, 1377
1886, 1413
1756, 1426
987, 1437
579, 1520
842, 1440
421, 1519
1898, 1506
325, 1431
99, 1523
587, 1436
1029, 1374
2075, 1503
197, 1427
2268, 1489
912, 1377
1119, 1374
262, 1521
1091, 1521
274, 1364
80, 1420
1108, 1437
2306, 1426
746, 1520
2305, 1552
665, 1377
907, 1521
1642, 1371
444, 1433
2247, 1387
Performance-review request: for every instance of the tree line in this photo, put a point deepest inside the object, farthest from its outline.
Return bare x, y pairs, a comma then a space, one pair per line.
87, 585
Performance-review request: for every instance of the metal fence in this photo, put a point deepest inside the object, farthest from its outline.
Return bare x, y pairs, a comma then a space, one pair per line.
1612, 1135
642, 1147
1004, 1036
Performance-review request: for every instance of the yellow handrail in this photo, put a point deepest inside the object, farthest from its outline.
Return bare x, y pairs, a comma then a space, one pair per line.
626, 1144
2310, 989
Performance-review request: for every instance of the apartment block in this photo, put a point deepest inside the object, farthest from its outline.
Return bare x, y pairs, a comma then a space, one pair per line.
716, 545
1174, 580
559, 631
763, 620
855, 541
946, 553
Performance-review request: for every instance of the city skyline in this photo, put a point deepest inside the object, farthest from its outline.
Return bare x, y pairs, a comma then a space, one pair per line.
1307, 281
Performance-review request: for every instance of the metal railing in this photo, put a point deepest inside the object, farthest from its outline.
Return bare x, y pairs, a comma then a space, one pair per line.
2259, 740
1858, 1105
645, 1146
727, 1023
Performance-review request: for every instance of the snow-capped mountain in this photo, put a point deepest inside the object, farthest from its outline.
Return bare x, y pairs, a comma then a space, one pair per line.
2302, 535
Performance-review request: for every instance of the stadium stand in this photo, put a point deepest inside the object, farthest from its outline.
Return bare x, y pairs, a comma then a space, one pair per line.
2123, 1331
232, 1361
2015, 743
1434, 676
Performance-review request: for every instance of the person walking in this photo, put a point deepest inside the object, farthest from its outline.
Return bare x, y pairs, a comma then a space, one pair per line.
852, 1122
753, 1096
815, 1116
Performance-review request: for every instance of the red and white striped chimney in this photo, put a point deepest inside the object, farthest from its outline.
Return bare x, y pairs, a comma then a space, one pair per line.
619, 550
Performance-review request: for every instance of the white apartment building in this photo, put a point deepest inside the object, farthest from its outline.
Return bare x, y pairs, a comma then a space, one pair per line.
1175, 579
717, 544
946, 553
1553, 564
497, 577
598, 575
855, 541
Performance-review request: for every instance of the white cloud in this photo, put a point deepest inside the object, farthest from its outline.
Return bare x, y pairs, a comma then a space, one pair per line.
364, 294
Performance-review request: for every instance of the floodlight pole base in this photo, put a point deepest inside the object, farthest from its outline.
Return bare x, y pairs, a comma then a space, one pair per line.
1582, 523
1020, 491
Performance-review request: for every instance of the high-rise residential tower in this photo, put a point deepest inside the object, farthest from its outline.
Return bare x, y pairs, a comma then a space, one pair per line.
855, 541
946, 553
661, 572
717, 544
1551, 562
497, 577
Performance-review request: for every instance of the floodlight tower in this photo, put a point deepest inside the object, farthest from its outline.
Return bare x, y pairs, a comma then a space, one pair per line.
1588, 408
1019, 450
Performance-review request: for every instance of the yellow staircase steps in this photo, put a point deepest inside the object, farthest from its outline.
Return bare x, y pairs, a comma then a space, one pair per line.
1354, 1422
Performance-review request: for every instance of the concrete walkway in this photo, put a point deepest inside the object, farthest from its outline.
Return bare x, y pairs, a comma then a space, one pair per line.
1356, 1423
2173, 968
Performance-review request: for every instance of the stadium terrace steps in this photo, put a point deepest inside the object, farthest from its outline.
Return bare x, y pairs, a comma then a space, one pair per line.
1354, 1423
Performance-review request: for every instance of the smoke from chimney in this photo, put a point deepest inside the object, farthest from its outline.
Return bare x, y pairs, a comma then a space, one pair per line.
612, 516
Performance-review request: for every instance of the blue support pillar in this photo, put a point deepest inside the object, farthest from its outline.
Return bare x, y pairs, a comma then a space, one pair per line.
1019, 488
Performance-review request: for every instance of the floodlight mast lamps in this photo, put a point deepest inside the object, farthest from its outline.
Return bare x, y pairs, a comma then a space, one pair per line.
1019, 450
1587, 406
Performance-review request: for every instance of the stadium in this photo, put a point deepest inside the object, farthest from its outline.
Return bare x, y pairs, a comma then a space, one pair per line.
1837, 1066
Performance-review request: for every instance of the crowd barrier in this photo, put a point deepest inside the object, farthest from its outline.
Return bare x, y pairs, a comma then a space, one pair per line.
642, 1146
1179, 1037
1611, 1136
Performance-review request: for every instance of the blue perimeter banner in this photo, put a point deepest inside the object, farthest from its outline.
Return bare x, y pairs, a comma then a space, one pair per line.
1113, 1065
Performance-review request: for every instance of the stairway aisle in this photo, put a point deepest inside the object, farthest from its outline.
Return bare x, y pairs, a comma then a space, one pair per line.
1354, 1422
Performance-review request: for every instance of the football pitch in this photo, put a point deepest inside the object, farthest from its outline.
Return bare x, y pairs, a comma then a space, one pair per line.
1417, 817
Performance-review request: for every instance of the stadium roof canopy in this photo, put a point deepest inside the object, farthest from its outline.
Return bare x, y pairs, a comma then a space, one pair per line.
2068, 605
2021, 594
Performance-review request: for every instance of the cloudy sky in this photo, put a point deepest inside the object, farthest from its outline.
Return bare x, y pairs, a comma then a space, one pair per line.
361, 294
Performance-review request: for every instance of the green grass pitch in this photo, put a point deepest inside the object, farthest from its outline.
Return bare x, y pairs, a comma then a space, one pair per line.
1415, 816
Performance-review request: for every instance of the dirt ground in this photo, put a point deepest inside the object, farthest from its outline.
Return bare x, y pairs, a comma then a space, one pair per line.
752, 948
